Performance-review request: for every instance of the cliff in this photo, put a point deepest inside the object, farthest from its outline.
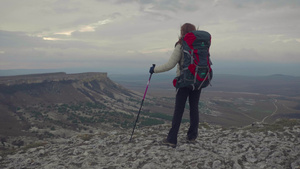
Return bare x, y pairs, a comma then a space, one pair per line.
59, 100
48, 77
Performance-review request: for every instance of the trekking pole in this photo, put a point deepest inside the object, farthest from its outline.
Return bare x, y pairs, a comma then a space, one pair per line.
153, 65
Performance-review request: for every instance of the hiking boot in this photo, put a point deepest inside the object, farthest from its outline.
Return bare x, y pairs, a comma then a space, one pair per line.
190, 140
167, 143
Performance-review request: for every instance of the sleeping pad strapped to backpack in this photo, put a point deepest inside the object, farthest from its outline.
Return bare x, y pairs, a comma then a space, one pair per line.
195, 72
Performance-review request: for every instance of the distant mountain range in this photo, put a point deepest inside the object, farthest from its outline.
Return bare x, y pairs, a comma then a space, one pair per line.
274, 84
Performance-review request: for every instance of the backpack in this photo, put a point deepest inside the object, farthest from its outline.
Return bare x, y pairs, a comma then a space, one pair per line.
195, 72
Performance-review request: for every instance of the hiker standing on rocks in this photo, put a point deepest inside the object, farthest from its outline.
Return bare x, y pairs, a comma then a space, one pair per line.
182, 93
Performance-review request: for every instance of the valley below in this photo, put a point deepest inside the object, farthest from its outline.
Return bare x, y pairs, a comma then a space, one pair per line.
231, 100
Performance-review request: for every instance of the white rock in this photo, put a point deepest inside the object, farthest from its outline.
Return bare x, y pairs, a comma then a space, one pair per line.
86, 153
149, 166
31, 150
236, 166
29, 161
77, 151
296, 164
215, 148
217, 164
41, 152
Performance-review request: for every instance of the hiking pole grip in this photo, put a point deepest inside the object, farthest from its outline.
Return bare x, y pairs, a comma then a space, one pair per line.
153, 65
151, 71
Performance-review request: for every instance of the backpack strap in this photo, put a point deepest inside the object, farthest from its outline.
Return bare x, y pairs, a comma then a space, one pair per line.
196, 73
208, 77
191, 58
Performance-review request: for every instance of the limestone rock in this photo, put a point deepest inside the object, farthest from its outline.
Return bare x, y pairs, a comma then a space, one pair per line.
214, 148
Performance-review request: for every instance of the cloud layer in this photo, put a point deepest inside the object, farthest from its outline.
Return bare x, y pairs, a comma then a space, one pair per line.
133, 34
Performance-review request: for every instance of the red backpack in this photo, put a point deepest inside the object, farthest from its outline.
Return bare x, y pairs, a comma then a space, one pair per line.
196, 71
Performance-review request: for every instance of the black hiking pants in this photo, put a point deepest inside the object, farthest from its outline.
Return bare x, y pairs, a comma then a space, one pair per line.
181, 98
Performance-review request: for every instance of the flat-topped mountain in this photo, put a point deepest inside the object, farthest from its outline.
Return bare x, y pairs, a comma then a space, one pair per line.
59, 88
47, 77
53, 104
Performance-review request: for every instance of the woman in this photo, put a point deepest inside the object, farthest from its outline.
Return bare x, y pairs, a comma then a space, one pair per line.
182, 94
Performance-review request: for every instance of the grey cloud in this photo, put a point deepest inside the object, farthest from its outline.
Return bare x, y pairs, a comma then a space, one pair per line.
276, 20
172, 5
271, 3
64, 7
157, 16
28, 51
163, 5
17, 40
166, 10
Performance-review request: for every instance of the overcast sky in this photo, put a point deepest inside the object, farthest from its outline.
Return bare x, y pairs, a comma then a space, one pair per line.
127, 36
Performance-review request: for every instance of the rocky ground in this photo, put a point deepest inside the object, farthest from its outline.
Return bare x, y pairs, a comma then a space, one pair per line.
257, 146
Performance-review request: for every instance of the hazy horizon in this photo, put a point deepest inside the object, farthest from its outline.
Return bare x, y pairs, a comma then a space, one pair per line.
15, 72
